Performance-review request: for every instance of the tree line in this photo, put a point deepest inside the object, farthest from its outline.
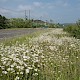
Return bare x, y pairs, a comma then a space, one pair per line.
3, 22
22, 23
14, 23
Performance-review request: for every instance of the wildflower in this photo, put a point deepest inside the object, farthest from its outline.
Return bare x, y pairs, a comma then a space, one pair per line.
10, 69
12, 66
21, 72
30, 68
42, 56
26, 57
4, 63
18, 67
77, 57
21, 67
17, 78
25, 65
17, 72
27, 71
35, 61
36, 70
4, 72
72, 45
27, 51
35, 74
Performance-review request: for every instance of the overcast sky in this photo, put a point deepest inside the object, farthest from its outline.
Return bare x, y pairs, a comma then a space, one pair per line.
62, 11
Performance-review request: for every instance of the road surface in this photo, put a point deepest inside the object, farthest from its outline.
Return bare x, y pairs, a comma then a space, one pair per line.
7, 33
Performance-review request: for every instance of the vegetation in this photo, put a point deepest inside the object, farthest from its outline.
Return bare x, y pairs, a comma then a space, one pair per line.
3, 22
74, 29
21, 23
51, 55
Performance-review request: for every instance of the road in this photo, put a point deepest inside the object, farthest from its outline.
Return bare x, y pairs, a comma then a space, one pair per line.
7, 33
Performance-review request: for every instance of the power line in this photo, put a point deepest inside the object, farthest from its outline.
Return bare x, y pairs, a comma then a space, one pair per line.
7, 11
11, 10
15, 13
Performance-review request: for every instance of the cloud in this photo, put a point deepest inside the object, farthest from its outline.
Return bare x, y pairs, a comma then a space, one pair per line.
52, 5
49, 6
65, 4
3, 0
37, 4
3, 10
25, 7
32, 6
56, 9
61, 3
6, 12
8, 0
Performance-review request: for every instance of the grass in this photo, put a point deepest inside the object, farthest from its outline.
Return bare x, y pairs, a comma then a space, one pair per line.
47, 55
21, 38
74, 30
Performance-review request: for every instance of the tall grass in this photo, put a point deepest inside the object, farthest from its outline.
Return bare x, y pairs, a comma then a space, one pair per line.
74, 30
53, 55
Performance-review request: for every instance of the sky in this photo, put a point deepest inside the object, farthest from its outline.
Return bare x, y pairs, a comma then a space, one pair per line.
60, 11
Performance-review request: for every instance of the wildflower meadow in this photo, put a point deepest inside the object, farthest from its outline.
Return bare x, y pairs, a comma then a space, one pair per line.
50, 55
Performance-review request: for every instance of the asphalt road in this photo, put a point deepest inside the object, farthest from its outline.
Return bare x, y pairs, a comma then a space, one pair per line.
7, 33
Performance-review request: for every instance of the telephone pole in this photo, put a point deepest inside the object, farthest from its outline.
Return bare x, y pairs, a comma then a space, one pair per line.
25, 15
29, 14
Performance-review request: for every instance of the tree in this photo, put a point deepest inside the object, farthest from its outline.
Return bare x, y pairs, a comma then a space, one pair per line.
16, 23
78, 23
3, 22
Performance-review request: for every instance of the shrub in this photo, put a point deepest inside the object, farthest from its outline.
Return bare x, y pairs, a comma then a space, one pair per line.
73, 29
3, 22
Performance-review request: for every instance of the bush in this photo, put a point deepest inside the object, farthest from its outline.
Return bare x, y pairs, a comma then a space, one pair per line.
3, 22
74, 30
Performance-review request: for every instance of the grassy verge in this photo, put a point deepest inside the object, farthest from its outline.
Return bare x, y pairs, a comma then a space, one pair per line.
22, 38
46, 55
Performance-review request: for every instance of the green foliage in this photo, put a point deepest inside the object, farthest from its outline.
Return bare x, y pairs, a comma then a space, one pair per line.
78, 23
14, 23
74, 29
51, 25
3, 22
21, 23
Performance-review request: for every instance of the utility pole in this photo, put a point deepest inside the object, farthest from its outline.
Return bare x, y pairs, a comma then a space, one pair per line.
29, 15
29, 19
25, 15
